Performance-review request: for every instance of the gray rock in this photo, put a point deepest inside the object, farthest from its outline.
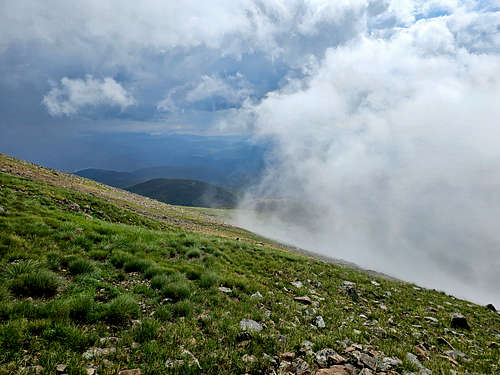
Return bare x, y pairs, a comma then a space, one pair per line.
489, 306
256, 295
368, 361
348, 283
388, 363
322, 357
456, 354
459, 321
412, 358
319, 322
2, 209
306, 347
97, 352
250, 325
61, 368
300, 366
223, 289
310, 311
365, 371
297, 284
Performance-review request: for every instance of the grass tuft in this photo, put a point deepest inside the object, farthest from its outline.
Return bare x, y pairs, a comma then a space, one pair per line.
40, 283
121, 309
80, 266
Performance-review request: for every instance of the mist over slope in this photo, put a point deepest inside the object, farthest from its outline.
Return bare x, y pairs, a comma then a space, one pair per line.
390, 142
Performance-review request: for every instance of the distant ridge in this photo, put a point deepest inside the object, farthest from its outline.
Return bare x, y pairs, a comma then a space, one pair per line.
185, 193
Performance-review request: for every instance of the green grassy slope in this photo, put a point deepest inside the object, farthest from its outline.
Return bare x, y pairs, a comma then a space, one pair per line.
91, 284
185, 193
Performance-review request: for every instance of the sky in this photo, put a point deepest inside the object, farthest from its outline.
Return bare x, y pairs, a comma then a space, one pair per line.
384, 114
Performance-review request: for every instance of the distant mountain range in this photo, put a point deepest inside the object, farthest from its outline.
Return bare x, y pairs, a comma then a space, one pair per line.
185, 193
183, 189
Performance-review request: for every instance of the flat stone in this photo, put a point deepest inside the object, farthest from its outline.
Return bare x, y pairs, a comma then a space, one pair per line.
431, 319
223, 289
250, 325
61, 368
135, 371
368, 361
249, 358
303, 299
334, 370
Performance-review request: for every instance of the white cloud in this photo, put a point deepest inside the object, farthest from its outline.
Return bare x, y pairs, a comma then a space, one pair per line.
73, 95
391, 145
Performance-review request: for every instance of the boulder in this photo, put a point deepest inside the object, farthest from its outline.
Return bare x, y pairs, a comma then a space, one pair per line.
459, 321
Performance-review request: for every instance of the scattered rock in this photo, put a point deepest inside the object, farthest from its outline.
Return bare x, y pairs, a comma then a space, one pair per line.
249, 358
456, 354
223, 289
431, 319
459, 321
388, 363
375, 283
97, 352
303, 299
297, 284
306, 347
489, 306
334, 370
300, 366
256, 295
412, 358
61, 368
135, 371
319, 322
348, 283
379, 332
250, 325
368, 361
2, 209
351, 292
365, 371
90, 371
328, 357
310, 311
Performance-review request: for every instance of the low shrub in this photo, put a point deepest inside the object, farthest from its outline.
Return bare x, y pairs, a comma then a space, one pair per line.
40, 283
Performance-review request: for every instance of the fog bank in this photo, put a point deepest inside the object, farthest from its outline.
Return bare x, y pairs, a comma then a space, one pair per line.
387, 155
